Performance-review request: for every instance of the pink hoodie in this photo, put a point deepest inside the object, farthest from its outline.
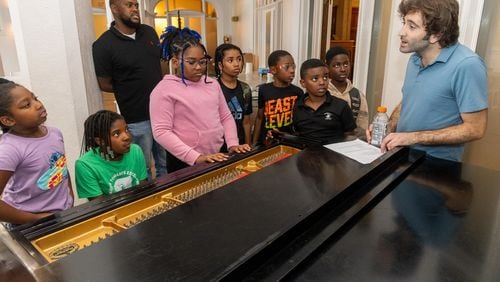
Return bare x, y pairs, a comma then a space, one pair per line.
189, 121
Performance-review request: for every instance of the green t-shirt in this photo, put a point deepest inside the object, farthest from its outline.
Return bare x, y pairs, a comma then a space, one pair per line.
96, 176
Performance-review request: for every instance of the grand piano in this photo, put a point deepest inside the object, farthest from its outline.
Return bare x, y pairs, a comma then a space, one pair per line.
288, 211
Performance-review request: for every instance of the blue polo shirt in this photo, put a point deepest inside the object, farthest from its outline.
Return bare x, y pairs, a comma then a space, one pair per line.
435, 95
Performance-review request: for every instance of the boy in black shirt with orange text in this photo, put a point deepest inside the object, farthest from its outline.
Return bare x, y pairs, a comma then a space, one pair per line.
277, 99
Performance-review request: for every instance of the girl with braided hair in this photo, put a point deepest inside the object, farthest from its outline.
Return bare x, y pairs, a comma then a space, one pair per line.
189, 115
109, 161
228, 65
34, 177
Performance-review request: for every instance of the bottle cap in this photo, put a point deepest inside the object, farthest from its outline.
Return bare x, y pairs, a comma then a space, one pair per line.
381, 109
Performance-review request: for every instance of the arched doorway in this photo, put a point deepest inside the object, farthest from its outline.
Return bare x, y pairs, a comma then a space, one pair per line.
199, 15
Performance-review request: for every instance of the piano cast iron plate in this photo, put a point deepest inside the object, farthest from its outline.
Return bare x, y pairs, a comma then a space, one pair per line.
71, 239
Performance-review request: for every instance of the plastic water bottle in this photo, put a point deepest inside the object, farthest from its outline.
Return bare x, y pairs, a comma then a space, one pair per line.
380, 126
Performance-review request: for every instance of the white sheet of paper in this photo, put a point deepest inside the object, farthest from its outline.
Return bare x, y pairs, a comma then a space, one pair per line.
357, 150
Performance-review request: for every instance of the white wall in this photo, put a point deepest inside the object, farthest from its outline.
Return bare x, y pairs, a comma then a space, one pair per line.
243, 29
395, 64
292, 28
8, 56
294, 21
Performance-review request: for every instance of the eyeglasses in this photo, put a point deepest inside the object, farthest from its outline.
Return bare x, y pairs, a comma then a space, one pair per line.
345, 65
286, 67
192, 62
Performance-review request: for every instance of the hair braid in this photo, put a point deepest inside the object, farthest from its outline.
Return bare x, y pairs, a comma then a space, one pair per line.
96, 133
6, 87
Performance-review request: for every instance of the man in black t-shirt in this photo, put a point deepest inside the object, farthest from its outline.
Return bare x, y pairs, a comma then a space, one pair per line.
127, 63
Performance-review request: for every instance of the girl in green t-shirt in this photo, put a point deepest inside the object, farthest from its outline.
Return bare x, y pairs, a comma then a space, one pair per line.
109, 162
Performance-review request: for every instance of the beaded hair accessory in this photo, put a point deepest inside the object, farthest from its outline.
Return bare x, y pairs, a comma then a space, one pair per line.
176, 40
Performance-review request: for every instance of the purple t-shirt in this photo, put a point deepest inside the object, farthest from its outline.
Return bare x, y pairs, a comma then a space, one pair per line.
40, 179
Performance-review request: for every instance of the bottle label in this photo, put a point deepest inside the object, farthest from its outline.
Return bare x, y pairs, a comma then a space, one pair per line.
378, 133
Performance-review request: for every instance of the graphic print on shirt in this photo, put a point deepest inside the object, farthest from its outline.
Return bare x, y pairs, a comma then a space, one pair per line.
122, 180
57, 172
279, 112
328, 115
235, 108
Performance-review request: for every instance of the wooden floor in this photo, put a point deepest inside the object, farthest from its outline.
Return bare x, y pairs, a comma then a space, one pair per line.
108, 100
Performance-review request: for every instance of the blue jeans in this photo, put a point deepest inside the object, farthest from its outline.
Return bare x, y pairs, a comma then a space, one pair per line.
143, 136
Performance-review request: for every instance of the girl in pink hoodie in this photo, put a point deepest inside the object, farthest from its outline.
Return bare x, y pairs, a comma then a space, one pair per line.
189, 114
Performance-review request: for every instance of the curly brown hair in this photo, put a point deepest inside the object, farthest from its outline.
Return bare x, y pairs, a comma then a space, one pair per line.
440, 18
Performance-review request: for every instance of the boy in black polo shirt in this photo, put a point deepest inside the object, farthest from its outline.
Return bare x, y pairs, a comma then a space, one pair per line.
317, 114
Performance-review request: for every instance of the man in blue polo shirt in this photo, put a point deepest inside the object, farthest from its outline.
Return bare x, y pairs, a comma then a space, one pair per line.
127, 63
445, 96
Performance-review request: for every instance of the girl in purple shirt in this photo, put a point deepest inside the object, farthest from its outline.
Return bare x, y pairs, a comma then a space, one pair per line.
34, 178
